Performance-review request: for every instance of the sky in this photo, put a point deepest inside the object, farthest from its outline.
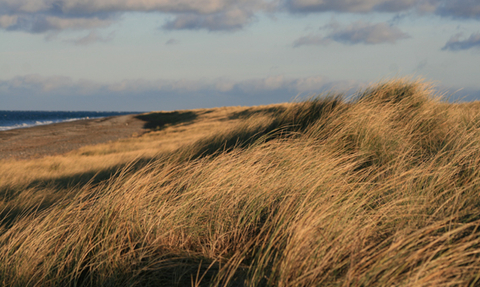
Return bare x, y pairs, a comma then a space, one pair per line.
153, 55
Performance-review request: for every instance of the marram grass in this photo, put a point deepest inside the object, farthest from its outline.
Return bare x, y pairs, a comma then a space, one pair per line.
381, 190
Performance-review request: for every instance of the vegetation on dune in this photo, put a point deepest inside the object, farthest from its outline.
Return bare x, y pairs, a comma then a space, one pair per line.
381, 190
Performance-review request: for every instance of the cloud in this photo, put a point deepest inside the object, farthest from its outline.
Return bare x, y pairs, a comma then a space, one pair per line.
365, 33
54, 84
172, 41
37, 82
233, 19
444, 8
315, 40
41, 16
40, 92
421, 65
455, 44
356, 33
6, 21
45, 16
92, 37
42, 24
351, 6
459, 8
89, 7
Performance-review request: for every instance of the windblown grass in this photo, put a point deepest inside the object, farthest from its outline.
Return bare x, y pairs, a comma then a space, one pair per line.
378, 191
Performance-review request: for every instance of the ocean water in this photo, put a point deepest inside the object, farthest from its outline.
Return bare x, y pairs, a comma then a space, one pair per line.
23, 119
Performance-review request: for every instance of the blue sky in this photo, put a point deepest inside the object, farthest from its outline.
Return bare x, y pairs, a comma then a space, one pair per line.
142, 55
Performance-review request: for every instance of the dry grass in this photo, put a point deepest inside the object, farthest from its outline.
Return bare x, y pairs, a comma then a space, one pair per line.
379, 191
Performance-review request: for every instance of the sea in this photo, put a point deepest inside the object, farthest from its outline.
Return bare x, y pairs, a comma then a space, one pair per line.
24, 119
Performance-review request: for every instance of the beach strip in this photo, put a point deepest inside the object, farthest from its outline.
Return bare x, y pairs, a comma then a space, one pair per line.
59, 138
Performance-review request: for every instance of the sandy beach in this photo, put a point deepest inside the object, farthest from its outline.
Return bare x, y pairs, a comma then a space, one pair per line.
60, 138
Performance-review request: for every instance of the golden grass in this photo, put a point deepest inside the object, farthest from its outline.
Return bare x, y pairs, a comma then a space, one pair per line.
379, 191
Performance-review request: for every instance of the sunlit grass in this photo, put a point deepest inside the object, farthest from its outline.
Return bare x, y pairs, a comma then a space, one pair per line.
378, 191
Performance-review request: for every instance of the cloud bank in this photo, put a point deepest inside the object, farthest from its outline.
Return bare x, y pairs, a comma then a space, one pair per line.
42, 16
63, 93
34, 92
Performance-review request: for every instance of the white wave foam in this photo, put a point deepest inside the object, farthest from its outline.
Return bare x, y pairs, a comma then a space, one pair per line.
40, 123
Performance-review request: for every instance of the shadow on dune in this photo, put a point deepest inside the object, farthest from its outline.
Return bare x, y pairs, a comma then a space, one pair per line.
248, 113
158, 121
55, 190
171, 269
285, 122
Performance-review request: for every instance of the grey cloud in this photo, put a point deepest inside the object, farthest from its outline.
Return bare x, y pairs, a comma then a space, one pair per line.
92, 37
169, 6
395, 6
89, 7
172, 41
365, 33
42, 24
315, 40
357, 33
421, 65
455, 44
226, 20
354, 6
444, 8
459, 8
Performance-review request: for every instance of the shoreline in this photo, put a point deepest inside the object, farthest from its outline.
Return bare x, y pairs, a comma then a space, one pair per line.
26, 126
59, 138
